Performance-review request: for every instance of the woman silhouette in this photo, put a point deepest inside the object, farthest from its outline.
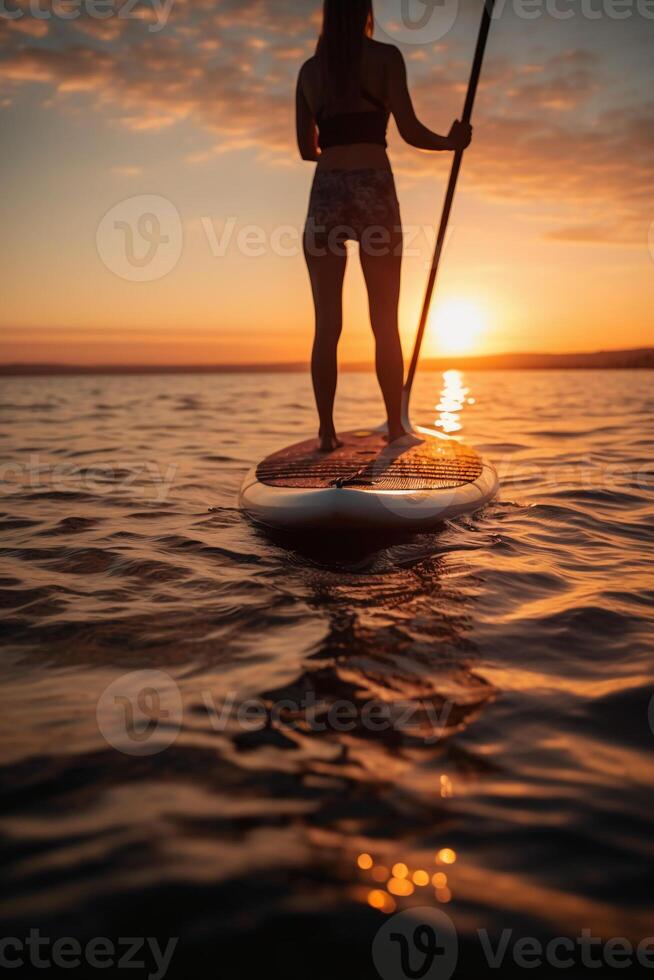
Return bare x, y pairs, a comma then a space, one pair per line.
345, 96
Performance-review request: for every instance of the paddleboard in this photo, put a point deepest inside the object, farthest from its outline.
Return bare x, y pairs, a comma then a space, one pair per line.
367, 483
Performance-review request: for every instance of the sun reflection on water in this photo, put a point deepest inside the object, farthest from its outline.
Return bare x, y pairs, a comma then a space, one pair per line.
402, 881
453, 398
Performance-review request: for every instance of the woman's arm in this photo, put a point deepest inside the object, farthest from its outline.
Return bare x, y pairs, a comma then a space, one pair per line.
307, 137
410, 127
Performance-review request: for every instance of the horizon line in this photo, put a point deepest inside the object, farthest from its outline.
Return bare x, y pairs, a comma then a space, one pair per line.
636, 357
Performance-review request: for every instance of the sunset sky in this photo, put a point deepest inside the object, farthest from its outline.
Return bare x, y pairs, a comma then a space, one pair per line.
552, 241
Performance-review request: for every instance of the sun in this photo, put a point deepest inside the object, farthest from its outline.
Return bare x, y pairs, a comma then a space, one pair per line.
456, 326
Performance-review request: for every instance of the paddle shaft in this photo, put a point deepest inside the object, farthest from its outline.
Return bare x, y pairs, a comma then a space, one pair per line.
449, 197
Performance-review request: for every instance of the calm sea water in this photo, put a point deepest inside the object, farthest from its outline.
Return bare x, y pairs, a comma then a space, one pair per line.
472, 704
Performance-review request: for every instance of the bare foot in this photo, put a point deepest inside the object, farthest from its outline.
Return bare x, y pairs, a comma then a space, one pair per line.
328, 443
402, 437
395, 432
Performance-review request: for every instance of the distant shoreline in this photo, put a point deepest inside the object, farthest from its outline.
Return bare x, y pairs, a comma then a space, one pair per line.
637, 359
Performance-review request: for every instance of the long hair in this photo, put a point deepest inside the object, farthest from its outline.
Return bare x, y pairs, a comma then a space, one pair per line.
345, 25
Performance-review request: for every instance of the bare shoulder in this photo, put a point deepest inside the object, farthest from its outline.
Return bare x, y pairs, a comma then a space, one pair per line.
308, 69
386, 54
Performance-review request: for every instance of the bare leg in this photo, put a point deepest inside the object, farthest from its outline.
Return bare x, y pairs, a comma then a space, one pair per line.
382, 275
326, 272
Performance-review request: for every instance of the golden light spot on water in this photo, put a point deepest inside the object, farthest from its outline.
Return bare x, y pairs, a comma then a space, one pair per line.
365, 862
401, 887
446, 856
453, 398
447, 789
420, 878
376, 898
444, 895
380, 873
382, 901
439, 880
400, 871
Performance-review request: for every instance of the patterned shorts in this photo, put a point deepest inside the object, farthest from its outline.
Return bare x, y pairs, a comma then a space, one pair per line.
354, 204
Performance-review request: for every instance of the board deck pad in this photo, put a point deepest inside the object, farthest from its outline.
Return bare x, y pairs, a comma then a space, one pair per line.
366, 461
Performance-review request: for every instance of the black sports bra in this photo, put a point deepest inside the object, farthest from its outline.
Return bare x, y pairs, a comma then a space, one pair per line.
346, 128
